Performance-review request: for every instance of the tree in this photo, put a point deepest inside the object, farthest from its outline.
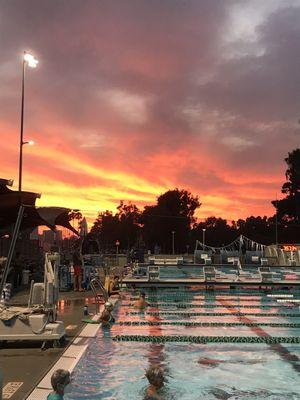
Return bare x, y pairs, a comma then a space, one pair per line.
258, 229
174, 212
75, 215
288, 209
122, 226
129, 216
217, 232
106, 230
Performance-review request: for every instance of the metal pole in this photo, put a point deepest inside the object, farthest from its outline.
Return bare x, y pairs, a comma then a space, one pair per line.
22, 125
276, 224
11, 248
203, 238
173, 242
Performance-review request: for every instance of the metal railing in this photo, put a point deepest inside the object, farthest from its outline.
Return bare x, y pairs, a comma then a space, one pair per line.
97, 286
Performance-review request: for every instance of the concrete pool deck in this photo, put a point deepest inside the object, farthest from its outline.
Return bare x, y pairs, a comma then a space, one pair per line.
24, 364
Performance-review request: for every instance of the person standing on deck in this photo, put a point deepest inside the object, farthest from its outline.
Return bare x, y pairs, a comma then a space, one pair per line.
77, 265
17, 270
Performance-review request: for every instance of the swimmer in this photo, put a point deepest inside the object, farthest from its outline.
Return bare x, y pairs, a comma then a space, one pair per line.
106, 316
59, 380
141, 303
212, 362
156, 380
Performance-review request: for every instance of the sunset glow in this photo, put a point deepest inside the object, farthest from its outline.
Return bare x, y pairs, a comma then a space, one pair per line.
130, 100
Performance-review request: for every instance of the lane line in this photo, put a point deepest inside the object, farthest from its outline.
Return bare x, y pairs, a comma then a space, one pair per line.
283, 352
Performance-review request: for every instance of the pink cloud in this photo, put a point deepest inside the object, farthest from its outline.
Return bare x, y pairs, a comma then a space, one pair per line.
132, 99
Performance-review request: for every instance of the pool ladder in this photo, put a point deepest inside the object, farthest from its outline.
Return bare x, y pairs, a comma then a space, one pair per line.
98, 288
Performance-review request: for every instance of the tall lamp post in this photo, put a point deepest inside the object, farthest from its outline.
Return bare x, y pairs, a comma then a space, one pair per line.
117, 252
173, 242
117, 247
203, 237
29, 60
276, 223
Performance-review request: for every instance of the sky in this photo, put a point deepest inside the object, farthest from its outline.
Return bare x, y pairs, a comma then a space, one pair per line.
132, 98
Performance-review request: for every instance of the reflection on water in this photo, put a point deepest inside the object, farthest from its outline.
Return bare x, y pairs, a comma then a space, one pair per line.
116, 370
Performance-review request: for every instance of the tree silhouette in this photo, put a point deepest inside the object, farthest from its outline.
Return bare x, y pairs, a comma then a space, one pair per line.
129, 218
288, 209
123, 226
174, 212
106, 230
217, 232
258, 229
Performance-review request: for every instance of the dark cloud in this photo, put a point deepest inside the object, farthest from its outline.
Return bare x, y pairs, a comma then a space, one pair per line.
155, 89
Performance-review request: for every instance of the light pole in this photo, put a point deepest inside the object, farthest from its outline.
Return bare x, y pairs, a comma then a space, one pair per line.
203, 237
29, 60
173, 242
117, 252
276, 223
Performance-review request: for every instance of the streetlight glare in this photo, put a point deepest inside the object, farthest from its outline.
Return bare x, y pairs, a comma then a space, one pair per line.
31, 142
31, 61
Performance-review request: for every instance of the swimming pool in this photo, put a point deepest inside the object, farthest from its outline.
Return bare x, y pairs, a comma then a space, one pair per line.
114, 364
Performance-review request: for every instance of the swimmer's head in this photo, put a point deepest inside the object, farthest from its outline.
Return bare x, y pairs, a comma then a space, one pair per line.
108, 305
155, 376
143, 295
59, 380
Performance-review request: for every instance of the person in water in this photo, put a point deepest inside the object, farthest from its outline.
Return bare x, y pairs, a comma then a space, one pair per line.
59, 381
156, 379
106, 316
213, 362
141, 302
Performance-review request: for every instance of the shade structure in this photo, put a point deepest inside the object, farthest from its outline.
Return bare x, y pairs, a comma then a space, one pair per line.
10, 202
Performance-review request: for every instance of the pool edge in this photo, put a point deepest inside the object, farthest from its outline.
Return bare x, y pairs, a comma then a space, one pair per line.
70, 357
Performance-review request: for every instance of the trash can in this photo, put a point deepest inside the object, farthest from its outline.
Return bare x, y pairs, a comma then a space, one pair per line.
64, 276
6, 294
25, 276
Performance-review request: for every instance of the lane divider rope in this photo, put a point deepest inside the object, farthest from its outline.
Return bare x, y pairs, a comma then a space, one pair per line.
217, 293
207, 324
189, 305
196, 314
207, 339
208, 299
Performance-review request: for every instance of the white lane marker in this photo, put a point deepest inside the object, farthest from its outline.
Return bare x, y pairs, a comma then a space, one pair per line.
10, 389
71, 327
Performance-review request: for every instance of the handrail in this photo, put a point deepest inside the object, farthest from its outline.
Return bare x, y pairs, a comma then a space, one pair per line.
12, 247
94, 283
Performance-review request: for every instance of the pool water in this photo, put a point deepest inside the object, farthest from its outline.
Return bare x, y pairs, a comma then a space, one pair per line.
116, 370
